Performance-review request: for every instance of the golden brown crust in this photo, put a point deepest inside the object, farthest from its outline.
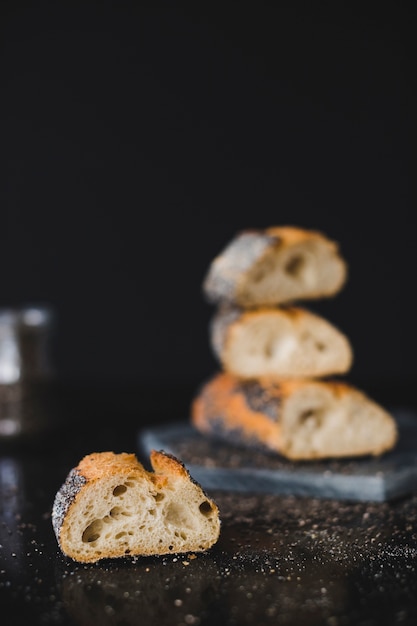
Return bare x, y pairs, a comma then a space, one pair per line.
289, 386
291, 235
101, 464
164, 463
223, 405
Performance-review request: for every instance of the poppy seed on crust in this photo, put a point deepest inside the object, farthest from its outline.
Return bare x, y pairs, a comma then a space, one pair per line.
65, 497
262, 399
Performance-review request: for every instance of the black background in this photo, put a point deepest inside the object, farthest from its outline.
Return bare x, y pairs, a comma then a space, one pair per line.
138, 138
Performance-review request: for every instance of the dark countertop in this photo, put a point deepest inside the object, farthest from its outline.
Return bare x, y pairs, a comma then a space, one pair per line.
279, 560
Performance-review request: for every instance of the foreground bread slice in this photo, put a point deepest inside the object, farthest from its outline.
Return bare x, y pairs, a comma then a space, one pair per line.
110, 506
300, 420
273, 266
289, 342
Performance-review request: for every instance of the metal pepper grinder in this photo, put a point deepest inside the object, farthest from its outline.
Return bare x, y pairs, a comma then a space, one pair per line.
26, 371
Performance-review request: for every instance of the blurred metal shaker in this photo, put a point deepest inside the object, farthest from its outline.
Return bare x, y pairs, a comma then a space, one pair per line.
26, 371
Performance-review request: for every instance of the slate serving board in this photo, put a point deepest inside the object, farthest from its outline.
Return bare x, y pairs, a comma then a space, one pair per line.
219, 466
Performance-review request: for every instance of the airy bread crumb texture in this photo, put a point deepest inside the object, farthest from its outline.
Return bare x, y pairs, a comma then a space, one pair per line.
288, 342
335, 420
110, 506
306, 267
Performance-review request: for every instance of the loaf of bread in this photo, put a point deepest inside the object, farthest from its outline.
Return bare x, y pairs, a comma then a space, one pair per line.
288, 342
300, 420
276, 265
111, 506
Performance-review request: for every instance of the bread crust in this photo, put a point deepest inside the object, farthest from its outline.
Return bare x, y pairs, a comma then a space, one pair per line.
317, 347
232, 269
103, 464
239, 411
100, 468
254, 414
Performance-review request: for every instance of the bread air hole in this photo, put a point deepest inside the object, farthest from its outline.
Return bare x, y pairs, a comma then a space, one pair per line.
308, 338
311, 417
175, 514
93, 531
181, 535
294, 266
117, 491
269, 350
206, 509
120, 535
116, 512
315, 343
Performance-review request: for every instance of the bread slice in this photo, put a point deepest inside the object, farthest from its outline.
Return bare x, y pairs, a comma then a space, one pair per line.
110, 506
289, 342
297, 419
276, 265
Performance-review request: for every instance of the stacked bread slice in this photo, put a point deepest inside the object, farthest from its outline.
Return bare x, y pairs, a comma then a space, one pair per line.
279, 387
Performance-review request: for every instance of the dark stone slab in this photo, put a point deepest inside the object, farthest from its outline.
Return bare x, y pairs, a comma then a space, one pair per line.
218, 466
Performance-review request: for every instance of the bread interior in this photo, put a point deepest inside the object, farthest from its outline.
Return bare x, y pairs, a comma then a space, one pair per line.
271, 344
319, 424
285, 274
125, 515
